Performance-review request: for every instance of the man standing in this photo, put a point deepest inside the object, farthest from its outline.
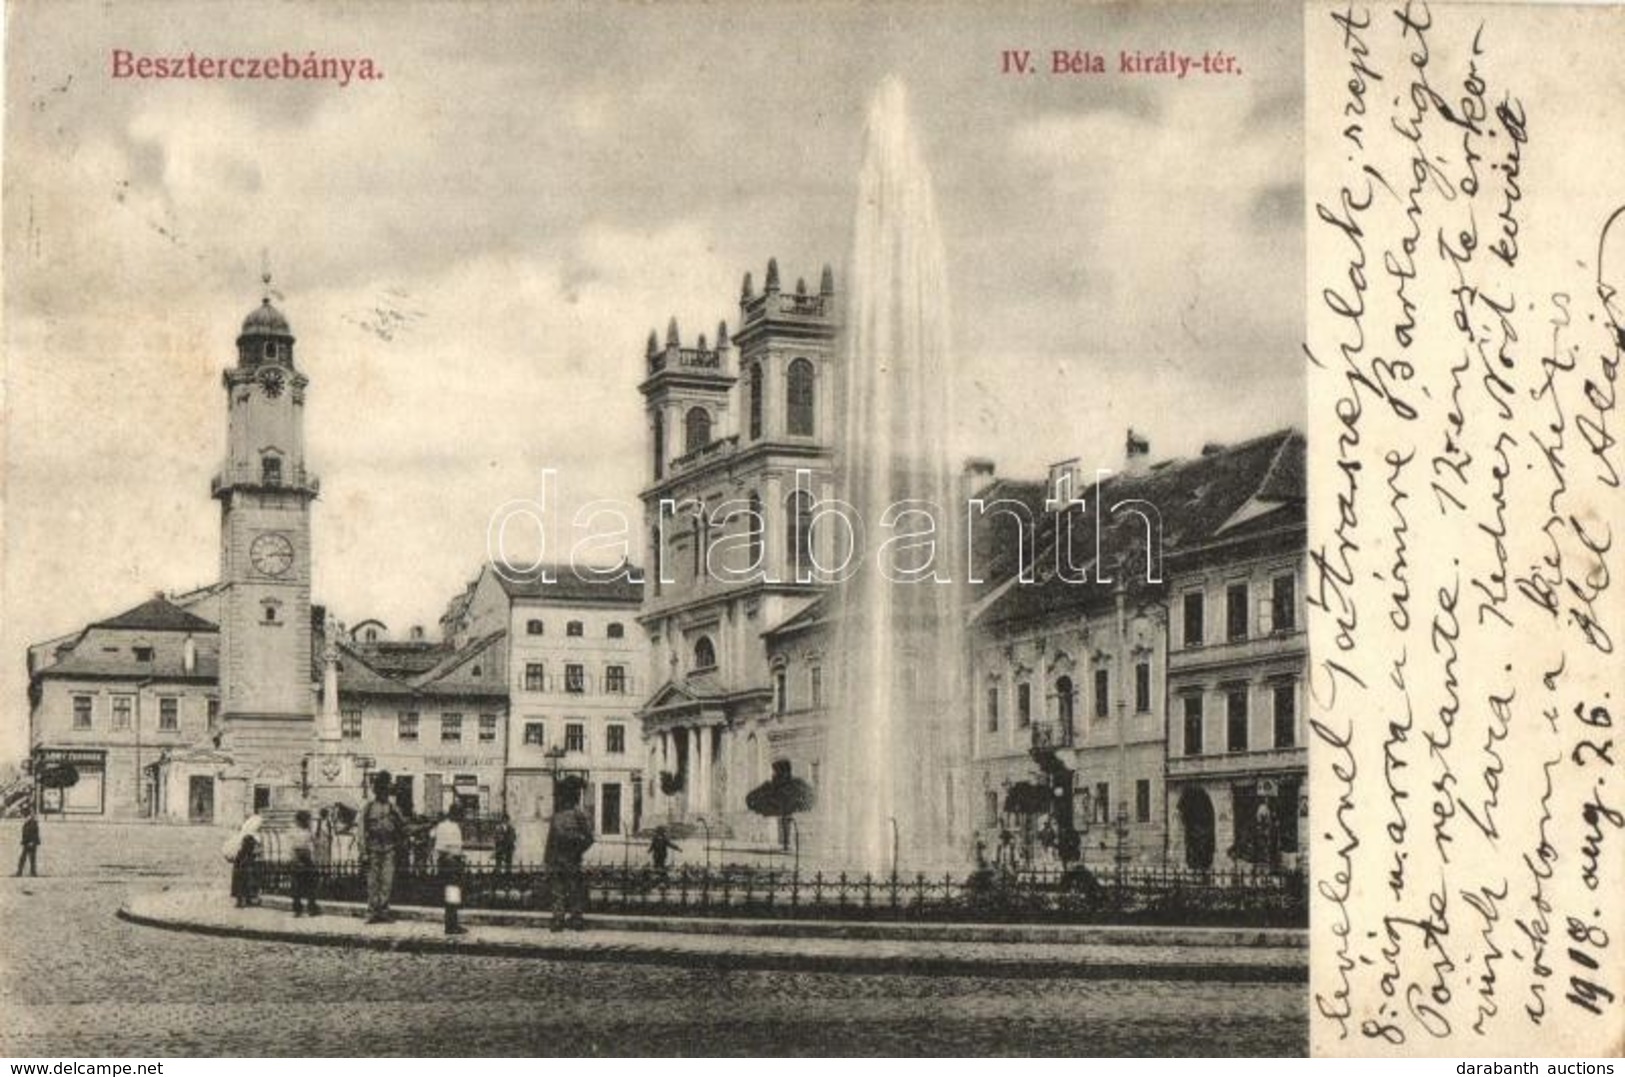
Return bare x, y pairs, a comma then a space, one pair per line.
30, 844
382, 828
504, 841
448, 851
569, 836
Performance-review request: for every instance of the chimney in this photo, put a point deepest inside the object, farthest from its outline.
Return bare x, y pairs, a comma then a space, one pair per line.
1136, 454
975, 475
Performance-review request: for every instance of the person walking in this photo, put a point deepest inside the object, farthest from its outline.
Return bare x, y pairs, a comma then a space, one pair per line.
382, 828
569, 836
30, 843
448, 852
504, 840
302, 851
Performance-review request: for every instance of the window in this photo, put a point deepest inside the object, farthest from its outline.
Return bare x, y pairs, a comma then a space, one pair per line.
615, 680
658, 437
798, 535
1103, 693
616, 630
350, 724
1064, 703
815, 684
992, 708
406, 726
705, 653
755, 529
142, 654
534, 627
533, 677
535, 734
1142, 800
169, 715
781, 702
1194, 612
615, 739
1284, 603
990, 803
1235, 611
1235, 709
269, 351
81, 712
1024, 705
123, 707
755, 385
476, 672
451, 729
1193, 725
1103, 802
657, 553
799, 400
488, 728
214, 713
574, 629
609, 803
270, 613
575, 737
1286, 714
575, 678
271, 470
696, 430
1142, 687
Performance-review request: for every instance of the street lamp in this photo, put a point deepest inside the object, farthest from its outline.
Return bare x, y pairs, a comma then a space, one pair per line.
795, 830
893, 819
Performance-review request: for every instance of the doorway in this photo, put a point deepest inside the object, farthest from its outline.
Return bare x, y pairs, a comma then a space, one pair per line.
1196, 819
200, 799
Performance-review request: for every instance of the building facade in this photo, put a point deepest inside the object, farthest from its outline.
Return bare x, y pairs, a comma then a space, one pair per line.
740, 438
576, 663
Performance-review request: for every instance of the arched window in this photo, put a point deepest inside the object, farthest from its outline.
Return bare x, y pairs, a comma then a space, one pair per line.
755, 389
799, 400
1064, 703
656, 555
755, 530
705, 653
271, 470
696, 429
659, 433
798, 533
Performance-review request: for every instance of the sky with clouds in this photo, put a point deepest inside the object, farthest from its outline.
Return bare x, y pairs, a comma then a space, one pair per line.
473, 249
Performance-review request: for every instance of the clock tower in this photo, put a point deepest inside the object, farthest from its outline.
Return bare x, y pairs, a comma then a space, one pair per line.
265, 491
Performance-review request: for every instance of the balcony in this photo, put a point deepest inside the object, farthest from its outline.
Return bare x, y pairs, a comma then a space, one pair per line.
705, 454
789, 306
1052, 735
672, 358
297, 479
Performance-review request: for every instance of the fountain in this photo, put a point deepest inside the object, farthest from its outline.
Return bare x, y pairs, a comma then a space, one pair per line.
898, 737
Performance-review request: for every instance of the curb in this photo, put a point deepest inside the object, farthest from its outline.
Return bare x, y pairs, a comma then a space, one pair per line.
932, 963
877, 931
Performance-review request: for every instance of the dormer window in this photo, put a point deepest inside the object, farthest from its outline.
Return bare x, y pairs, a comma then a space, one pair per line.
142, 654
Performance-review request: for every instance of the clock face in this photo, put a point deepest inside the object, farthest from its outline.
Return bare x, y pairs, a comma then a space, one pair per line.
271, 554
272, 381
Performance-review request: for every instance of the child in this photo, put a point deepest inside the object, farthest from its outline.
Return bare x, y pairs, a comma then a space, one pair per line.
302, 850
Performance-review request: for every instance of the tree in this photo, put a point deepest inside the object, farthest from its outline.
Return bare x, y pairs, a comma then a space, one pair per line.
780, 797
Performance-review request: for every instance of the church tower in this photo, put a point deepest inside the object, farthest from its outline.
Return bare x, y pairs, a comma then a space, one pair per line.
265, 492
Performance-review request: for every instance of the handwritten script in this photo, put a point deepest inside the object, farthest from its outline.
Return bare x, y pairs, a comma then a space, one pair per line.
1465, 330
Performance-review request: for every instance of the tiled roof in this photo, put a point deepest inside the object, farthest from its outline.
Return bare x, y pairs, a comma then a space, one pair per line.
571, 584
415, 668
158, 615
164, 666
1225, 494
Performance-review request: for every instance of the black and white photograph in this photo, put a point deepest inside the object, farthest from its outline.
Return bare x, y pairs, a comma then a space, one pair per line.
779, 529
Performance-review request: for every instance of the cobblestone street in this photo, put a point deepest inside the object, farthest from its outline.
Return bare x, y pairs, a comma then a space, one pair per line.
81, 982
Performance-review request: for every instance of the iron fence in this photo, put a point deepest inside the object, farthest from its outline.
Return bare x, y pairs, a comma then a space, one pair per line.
1131, 895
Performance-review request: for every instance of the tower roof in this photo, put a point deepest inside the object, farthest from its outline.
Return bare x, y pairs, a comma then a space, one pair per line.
266, 320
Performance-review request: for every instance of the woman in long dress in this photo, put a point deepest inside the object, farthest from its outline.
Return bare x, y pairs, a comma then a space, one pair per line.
245, 887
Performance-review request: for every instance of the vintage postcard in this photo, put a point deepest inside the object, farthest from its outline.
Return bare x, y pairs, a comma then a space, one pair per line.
767, 529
